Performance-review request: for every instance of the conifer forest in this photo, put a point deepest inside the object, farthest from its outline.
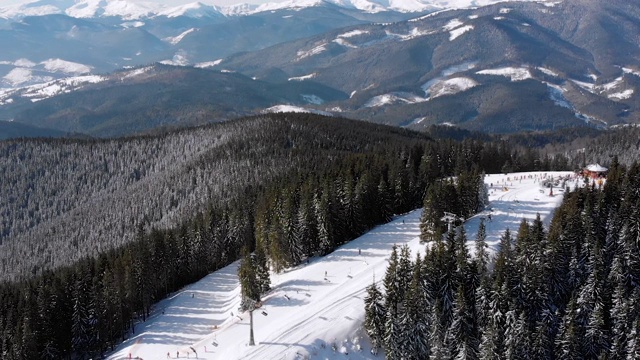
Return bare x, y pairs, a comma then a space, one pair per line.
94, 232
567, 293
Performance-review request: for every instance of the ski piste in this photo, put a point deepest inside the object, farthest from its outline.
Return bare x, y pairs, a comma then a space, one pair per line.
308, 314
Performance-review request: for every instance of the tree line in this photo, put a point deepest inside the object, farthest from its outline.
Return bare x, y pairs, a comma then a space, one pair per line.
567, 293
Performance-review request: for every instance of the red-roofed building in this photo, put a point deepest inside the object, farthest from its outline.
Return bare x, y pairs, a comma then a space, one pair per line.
595, 171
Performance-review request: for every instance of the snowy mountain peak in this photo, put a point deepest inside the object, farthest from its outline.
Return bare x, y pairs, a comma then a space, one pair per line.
127, 10
193, 10
139, 9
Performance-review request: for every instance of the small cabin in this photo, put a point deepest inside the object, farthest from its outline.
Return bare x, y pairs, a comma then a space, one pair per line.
595, 171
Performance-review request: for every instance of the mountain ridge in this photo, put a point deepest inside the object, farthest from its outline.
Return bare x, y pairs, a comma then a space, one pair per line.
135, 10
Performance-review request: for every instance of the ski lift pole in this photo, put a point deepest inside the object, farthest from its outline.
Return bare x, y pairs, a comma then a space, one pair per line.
251, 340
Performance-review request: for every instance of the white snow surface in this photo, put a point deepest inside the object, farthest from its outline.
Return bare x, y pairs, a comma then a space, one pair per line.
548, 71
208, 64
295, 109
445, 73
51, 88
451, 86
455, 33
395, 97
320, 303
302, 78
176, 39
67, 67
514, 73
301, 54
452, 24
18, 76
622, 95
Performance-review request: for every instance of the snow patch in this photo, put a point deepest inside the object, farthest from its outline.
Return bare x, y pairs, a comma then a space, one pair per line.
67, 67
451, 87
452, 24
353, 33
394, 98
137, 72
611, 85
445, 73
25, 63
344, 43
18, 76
556, 94
584, 85
302, 78
207, 64
514, 73
301, 54
626, 94
295, 109
179, 59
472, 17
176, 39
499, 18
631, 71
505, 10
548, 71
454, 34
132, 24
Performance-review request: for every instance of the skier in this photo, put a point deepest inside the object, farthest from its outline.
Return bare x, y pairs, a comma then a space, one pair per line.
359, 251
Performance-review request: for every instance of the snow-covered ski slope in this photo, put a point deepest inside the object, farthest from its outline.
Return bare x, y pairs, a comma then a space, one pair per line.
308, 313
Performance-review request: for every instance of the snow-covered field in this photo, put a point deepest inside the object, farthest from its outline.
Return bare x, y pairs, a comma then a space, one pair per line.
316, 309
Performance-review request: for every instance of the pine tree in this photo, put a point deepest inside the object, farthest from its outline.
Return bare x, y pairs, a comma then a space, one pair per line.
568, 342
262, 269
375, 315
249, 283
415, 320
482, 255
633, 345
395, 340
392, 284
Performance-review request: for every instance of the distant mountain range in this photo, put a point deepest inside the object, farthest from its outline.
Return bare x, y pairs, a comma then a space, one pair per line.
498, 68
137, 10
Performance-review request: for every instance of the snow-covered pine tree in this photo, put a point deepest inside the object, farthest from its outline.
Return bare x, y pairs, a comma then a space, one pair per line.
568, 341
262, 269
374, 317
392, 284
416, 319
249, 285
482, 253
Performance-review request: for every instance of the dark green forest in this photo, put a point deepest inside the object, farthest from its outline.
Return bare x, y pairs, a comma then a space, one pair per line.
567, 293
314, 183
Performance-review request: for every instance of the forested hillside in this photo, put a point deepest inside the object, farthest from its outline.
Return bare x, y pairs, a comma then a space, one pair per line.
61, 200
139, 218
567, 293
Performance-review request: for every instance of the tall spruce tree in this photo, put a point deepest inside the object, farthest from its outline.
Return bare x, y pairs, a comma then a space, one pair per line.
374, 317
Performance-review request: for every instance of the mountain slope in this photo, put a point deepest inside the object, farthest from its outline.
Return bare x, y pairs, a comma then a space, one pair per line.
62, 200
137, 100
308, 313
472, 61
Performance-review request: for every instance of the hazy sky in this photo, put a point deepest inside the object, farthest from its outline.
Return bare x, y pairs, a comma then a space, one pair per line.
168, 2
